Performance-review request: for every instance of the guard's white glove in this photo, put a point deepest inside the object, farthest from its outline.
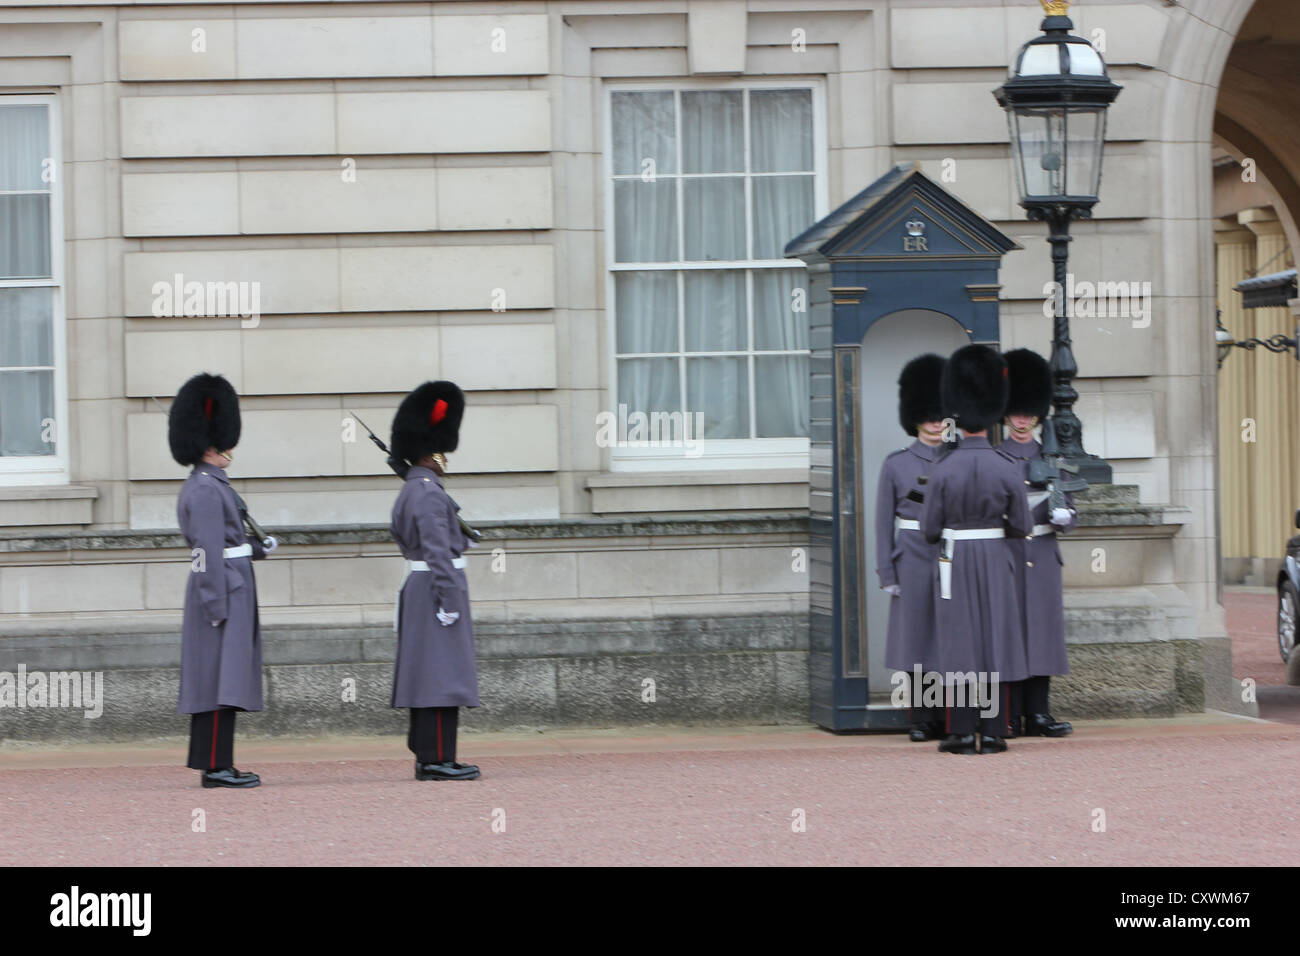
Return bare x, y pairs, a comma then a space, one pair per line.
892, 590
270, 544
1061, 516
448, 618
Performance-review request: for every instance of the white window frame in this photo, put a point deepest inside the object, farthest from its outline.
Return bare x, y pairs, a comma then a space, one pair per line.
47, 469
713, 454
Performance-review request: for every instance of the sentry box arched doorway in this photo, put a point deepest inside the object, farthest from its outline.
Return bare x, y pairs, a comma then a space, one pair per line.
903, 267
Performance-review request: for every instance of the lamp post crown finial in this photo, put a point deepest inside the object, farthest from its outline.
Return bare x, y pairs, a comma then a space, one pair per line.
1055, 8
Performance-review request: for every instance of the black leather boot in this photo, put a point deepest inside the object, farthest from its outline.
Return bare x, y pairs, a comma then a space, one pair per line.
447, 770
957, 744
1045, 725
230, 777
992, 745
923, 731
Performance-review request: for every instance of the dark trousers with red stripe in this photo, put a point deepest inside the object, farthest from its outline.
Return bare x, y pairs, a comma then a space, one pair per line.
970, 717
432, 737
1029, 696
917, 712
212, 740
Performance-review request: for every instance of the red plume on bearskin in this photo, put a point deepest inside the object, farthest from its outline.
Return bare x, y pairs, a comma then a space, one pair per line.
204, 414
428, 421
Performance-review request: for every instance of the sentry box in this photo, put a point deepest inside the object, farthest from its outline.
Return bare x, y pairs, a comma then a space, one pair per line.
902, 268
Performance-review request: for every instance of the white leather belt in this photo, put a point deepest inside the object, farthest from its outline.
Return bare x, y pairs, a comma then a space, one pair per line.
906, 524
945, 555
1036, 498
424, 565
240, 551
414, 566
1042, 529
972, 534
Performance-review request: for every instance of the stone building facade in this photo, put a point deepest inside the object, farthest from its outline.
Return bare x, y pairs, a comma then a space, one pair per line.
402, 191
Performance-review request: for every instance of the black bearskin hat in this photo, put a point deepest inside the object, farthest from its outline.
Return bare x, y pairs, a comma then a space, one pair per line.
918, 392
204, 414
1031, 383
975, 387
428, 421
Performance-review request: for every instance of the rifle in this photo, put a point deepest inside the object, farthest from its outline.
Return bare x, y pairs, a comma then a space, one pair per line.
1051, 473
250, 525
400, 468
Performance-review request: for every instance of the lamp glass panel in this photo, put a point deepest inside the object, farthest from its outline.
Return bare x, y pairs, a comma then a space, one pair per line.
1038, 138
1085, 130
1084, 60
1041, 59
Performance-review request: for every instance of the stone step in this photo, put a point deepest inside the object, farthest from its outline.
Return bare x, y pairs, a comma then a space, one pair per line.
1108, 495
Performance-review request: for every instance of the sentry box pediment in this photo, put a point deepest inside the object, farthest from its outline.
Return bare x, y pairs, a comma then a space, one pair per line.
902, 268
902, 216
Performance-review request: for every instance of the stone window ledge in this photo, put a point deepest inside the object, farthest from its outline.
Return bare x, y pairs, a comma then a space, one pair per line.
28, 506
774, 489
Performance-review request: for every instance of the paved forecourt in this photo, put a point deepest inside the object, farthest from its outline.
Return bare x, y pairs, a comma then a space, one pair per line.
1207, 789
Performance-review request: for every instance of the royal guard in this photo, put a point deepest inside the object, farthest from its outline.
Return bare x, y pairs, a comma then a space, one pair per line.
436, 672
974, 500
221, 641
905, 561
1038, 558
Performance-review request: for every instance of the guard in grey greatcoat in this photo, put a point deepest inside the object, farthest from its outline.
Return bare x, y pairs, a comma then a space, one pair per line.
436, 671
1038, 559
905, 561
221, 642
974, 499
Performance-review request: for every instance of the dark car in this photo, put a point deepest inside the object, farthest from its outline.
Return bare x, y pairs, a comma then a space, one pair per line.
1288, 595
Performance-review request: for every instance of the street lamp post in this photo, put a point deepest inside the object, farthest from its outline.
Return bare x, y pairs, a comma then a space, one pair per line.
1056, 101
1260, 292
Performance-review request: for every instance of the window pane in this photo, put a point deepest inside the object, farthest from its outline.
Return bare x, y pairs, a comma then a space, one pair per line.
649, 385
714, 212
646, 307
776, 323
26, 327
24, 237
645, 221
715, 312
713, 132
24, 146
782, 388
783, 208
26, 405
781, 125
719, 389
643, 129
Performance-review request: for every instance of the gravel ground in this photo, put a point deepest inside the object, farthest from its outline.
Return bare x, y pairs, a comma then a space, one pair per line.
1205, 789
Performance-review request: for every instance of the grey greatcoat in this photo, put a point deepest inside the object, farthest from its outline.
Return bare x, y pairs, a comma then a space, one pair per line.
1038, 569
221, 664
979, 627
436, 665
906, 559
